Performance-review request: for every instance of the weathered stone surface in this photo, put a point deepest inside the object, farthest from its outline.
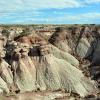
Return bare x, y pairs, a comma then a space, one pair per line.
59, 39
64, 55
63, 46
5, 72
3, 86
64, 75
31, 63
6, 77
3, 41
83, 47
96, 53
24, 74
24, 69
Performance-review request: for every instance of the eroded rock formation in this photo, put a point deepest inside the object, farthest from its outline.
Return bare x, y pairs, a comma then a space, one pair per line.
31, 63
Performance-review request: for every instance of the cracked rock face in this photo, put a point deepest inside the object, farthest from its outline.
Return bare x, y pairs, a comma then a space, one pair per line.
31, 63
24, 70
6, 77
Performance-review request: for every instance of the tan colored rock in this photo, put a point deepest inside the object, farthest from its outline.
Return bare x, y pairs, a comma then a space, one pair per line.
3, 41
38, 65
5, 72
30, 39
64, 55
3, 87
6, 77
24, 69
58, 74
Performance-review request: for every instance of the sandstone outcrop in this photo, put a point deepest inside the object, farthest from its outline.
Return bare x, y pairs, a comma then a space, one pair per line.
32, 63
6, 77
47, 69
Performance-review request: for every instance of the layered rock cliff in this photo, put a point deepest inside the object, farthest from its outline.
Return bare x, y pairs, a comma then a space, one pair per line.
66, 60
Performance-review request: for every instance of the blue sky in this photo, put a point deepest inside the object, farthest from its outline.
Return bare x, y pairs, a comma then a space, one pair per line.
49, 11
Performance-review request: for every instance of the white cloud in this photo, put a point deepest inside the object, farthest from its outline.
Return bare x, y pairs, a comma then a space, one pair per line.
84, 18
78, 18
52, 3
13, 5
37, 4
92, 1
12, 9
